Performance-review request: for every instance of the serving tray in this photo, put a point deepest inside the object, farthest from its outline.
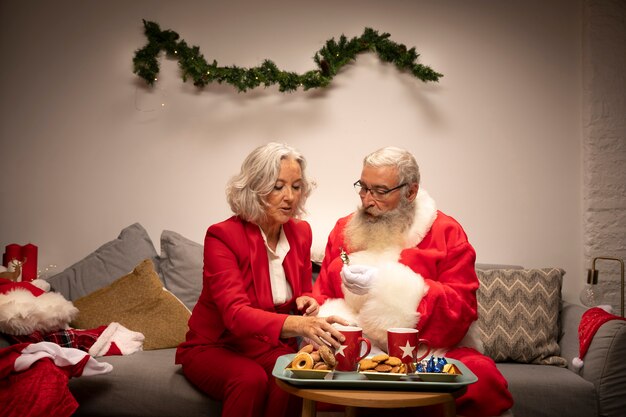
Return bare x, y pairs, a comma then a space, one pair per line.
354, 380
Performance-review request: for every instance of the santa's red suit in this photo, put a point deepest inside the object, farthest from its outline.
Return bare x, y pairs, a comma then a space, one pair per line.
430, 284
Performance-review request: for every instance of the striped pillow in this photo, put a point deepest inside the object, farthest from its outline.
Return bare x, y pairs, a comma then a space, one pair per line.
518, 314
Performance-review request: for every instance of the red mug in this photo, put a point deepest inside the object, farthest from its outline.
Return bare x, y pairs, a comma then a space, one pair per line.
404, 343
353, 349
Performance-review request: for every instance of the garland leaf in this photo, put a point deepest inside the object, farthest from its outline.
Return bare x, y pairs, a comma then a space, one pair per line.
333, 56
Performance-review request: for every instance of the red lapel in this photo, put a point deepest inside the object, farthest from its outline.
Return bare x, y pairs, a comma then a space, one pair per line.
290, 264
259, 266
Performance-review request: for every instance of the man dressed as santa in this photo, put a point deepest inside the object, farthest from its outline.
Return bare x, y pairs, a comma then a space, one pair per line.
399, 262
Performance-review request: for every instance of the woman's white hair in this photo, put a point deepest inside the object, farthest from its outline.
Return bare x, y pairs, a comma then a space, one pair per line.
247, 191
408, 170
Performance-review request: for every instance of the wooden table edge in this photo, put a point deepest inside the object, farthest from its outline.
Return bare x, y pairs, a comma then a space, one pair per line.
369, 399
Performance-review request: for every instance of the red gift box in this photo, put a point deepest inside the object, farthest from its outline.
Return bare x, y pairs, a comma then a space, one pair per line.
27, 255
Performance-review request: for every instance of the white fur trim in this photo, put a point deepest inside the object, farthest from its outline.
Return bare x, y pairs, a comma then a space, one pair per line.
126, 340
61, 356
355, 301
102, 345
425, 215
337, 307
472, 338
606, 307
41, 284
21, 313
392, 301
577, 362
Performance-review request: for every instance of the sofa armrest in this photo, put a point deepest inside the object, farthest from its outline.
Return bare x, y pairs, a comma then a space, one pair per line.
604, 363
605, 367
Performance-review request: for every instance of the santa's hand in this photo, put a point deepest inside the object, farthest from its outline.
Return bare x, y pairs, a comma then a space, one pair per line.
307, 305
358, 278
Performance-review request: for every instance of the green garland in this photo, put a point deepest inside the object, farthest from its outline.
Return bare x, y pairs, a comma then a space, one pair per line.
330, 59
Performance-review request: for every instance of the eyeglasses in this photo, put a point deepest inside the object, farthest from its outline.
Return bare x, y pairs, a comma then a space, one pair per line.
377, 193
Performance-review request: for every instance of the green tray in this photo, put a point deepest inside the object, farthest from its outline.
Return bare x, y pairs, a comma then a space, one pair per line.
354, 380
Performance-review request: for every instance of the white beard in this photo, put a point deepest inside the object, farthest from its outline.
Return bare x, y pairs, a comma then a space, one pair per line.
397, 290
379, 232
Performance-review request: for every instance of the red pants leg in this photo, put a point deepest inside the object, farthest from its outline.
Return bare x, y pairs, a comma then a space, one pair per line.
489, 396
238, 382
279, 402
245, 386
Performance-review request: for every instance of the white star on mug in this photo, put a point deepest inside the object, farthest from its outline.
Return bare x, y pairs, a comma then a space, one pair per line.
340, 350
407, 350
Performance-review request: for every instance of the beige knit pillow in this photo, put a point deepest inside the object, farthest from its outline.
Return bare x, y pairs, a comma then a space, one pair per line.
518, 314
139, 302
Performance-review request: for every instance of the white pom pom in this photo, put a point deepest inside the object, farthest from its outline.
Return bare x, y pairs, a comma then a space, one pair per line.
606, 307
577, 362
41, 284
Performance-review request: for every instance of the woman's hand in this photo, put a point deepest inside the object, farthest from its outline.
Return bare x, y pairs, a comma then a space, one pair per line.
318, 330
307, 305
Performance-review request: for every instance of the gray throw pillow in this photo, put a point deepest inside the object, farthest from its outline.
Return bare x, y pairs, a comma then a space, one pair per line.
106, 264
181, 266
518, 314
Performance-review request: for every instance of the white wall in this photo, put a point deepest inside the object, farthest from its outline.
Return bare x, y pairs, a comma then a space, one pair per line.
604, 142
88, 150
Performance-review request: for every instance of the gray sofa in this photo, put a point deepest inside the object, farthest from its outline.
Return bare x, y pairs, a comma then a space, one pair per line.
148, 383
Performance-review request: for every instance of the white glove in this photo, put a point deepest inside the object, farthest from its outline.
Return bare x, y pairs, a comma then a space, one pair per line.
358, 278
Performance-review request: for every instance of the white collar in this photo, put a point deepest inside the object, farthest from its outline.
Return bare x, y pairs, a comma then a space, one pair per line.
282, 246
425, 215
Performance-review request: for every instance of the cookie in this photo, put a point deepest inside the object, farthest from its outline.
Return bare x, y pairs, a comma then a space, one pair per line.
393, 361
302, 360
380, 357
383, 368
327, 356
307, 349
367, 364
321, 366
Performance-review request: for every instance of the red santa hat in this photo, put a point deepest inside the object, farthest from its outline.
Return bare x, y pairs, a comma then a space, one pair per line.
26, 308
30, 314
590, 322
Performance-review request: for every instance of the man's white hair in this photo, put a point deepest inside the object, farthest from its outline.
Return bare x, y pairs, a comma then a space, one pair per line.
408, 170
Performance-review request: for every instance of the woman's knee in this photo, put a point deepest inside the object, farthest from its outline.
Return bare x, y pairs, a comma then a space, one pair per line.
253, 379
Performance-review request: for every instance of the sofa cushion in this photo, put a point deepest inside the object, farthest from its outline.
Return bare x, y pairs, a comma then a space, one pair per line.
518, 313
181, 266
105, 264
139, 302
547, 391
141, 384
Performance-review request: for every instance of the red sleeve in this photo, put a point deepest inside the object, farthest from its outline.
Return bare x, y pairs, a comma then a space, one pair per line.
450, 306
328, 284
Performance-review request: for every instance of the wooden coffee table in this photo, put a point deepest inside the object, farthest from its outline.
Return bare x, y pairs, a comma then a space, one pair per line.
353, 399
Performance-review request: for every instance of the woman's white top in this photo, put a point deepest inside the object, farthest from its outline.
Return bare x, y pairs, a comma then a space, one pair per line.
281, 290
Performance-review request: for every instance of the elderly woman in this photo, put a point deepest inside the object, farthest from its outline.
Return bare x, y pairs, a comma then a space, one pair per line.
254, 302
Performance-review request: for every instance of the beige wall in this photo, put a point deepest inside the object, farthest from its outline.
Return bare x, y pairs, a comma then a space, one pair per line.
604, 141
87, 150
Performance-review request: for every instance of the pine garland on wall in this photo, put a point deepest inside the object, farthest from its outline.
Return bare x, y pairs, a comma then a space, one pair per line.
329, 59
